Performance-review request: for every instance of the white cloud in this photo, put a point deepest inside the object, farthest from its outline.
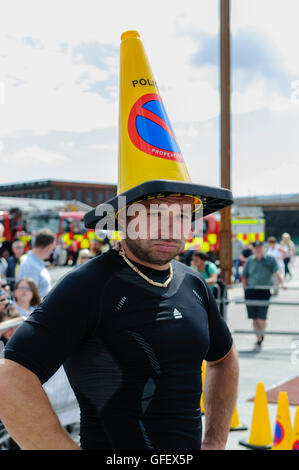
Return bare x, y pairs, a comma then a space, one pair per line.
46, 87
277, 19
34, 157
258, 96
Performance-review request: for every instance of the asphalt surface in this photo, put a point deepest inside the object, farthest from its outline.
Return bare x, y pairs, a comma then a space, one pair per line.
278, 360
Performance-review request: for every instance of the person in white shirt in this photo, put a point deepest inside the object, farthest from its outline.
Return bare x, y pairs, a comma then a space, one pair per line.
279, 253
34, 266
288, 245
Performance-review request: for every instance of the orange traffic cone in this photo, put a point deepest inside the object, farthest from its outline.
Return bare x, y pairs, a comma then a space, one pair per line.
295, 440
260, 433
283, 425
203, 372
235, 424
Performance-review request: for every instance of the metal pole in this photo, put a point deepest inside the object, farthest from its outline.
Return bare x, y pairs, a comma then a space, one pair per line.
225, 239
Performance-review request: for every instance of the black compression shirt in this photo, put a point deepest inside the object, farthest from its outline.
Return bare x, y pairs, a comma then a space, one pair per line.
132, 352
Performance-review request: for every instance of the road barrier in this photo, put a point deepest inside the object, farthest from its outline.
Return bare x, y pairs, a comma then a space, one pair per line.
11, 324
221, 298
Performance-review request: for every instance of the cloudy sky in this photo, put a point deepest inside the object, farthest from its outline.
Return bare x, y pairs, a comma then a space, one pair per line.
59, 74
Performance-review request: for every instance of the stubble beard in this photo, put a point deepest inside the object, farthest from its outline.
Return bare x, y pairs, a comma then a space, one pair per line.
149, 255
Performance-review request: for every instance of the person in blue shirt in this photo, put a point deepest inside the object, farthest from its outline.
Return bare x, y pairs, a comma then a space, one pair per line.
34, 264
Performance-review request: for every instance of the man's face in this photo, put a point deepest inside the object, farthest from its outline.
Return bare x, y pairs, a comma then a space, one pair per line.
198, 263
18, 249
158, 232
259, 251
48, 250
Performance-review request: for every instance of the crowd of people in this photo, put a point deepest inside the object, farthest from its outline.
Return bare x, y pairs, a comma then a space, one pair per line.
261, 267
25, 278
283, 252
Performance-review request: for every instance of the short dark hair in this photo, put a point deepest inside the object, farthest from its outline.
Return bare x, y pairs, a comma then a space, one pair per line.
256, 244
44, 238
201, 254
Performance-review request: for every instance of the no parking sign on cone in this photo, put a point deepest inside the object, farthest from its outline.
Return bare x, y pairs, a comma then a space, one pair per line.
283, 426
295, 440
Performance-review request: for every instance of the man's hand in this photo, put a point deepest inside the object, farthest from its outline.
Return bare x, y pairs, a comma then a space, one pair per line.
281, 280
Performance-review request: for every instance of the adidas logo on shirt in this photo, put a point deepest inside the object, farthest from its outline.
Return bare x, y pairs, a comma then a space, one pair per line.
177, 314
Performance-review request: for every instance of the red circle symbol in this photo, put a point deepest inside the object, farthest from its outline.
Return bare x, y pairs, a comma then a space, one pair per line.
279, 434
150, 129
296, 445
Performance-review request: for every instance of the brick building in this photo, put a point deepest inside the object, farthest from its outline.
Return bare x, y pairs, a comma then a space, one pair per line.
89, 193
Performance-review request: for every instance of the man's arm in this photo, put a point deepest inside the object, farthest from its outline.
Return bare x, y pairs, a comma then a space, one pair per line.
212, 273
220, 396
280, 279
27, 413
212, 279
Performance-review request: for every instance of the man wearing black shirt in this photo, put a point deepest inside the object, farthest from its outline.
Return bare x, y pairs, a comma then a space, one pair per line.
132, 328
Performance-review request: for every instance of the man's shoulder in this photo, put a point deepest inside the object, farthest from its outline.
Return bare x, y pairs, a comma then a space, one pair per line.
101, 267
30, 260
270, 260
178, 265
182, 266
212, 266
85, 283
268, 257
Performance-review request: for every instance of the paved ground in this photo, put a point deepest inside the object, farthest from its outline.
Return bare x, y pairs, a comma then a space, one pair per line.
278, 360
275, 363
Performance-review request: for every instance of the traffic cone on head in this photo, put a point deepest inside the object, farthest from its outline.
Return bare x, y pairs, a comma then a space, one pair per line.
235, 424
150, 161
283, 426
295, 440
260, 434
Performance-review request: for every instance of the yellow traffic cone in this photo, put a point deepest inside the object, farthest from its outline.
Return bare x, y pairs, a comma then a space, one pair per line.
150, 162
144, 125
260, 433
295, 439
235, 424
283, 425
203, 372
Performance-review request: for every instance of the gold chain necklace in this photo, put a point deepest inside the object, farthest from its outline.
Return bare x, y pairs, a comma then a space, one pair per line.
150, 281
